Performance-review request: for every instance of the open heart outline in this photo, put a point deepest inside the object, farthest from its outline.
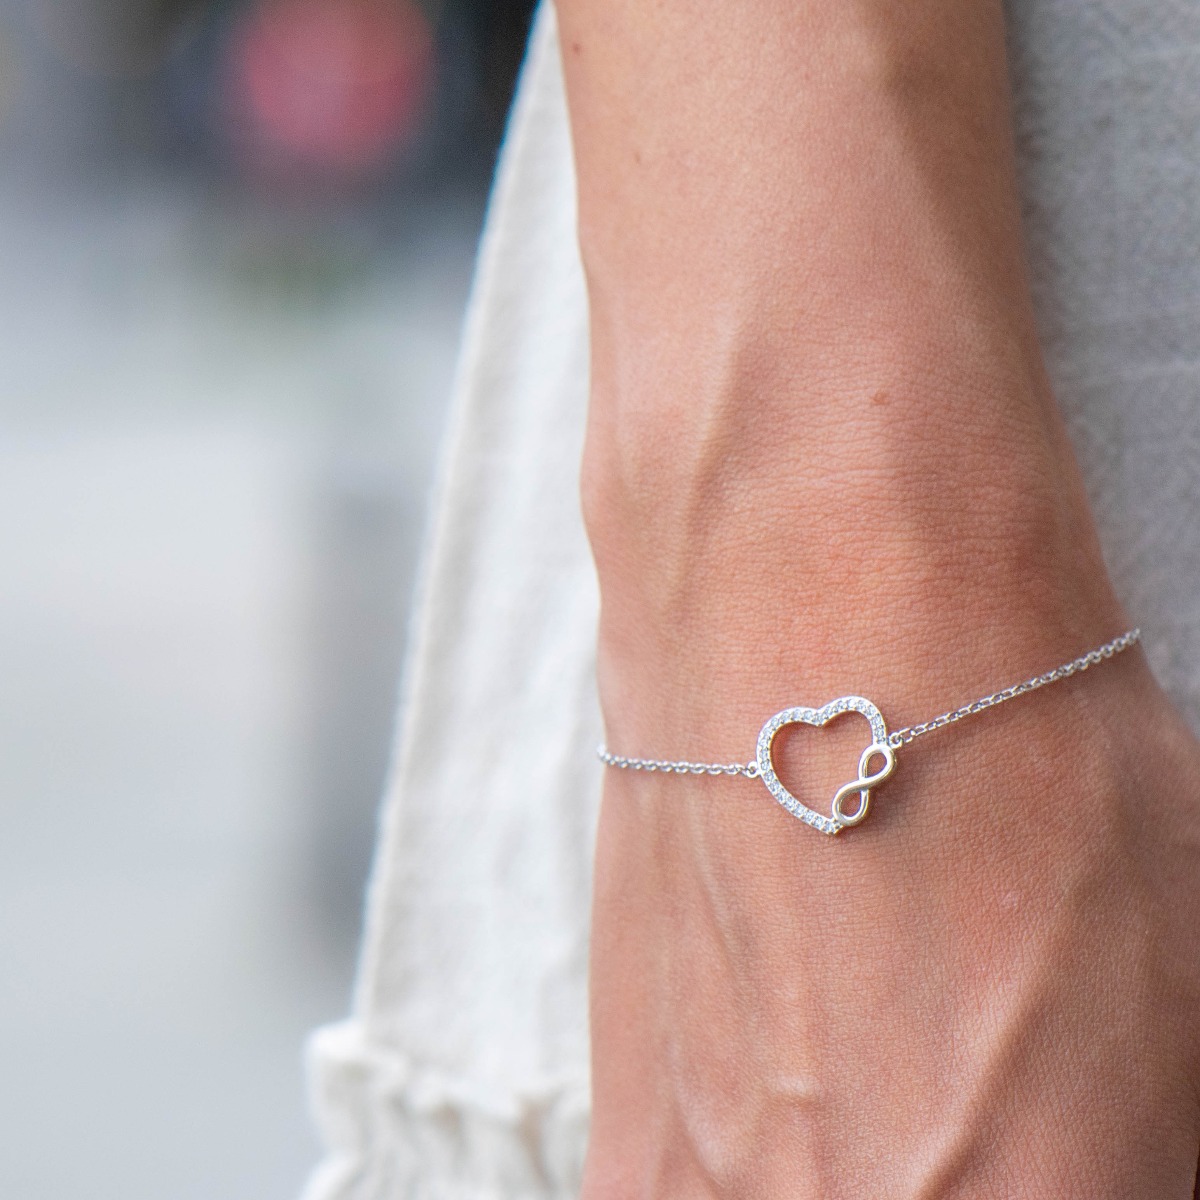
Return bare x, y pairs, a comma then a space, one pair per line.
863, 784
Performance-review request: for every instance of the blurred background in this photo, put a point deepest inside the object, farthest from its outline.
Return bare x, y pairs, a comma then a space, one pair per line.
235, 244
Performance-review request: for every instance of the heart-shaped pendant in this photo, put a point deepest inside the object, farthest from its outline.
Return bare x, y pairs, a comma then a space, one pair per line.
879, 748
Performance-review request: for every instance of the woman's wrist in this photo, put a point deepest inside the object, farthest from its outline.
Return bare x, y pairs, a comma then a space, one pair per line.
783, 568
820, 431
914, 1011
902, 1013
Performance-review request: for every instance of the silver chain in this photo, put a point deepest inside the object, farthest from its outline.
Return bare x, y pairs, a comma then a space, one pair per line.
902, 736
677, 767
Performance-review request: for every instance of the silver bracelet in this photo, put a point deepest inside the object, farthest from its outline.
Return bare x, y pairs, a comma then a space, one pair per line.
883, 744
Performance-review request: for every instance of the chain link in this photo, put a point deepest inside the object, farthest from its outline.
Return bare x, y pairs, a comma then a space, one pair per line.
901, 737
676, 767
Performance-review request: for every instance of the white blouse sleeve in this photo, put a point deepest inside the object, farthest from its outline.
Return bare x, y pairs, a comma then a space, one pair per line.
463, 1071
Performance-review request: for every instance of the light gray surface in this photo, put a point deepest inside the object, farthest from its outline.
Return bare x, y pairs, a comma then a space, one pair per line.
211, 486
1108, 137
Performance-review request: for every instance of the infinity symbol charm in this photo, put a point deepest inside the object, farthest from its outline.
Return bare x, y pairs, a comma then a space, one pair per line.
862, 785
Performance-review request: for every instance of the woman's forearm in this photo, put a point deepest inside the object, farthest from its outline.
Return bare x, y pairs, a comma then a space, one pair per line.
823, 457
818, 401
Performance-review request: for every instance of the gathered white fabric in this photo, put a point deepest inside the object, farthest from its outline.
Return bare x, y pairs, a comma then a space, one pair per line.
400, 1129
462, 1074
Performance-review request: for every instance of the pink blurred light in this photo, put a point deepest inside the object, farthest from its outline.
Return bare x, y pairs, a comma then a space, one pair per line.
333, 85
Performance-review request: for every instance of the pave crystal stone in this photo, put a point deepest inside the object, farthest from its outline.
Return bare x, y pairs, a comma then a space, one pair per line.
816, 717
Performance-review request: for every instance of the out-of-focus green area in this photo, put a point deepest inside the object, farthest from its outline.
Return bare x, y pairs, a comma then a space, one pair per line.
235, 243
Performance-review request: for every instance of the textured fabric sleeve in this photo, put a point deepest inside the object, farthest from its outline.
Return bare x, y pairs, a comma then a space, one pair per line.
463, 1072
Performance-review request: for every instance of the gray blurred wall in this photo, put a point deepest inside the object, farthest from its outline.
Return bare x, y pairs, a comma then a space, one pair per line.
220, 398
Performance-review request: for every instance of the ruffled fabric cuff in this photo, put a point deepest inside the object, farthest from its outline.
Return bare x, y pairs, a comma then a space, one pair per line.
396, 1130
